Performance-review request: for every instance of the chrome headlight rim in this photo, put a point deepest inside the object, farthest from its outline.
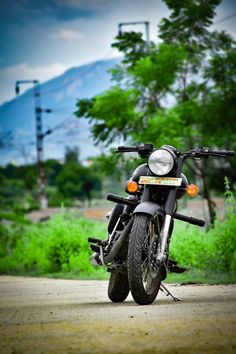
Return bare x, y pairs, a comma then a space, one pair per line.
158, 168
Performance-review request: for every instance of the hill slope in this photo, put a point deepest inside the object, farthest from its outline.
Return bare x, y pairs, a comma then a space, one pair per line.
60, 95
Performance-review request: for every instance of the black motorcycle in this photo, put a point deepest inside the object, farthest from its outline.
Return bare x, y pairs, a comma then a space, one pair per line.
136, 252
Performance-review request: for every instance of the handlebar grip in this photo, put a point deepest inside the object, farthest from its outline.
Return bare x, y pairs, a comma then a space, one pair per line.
189, 219
205, 152
127, 149
224, 152
121, 200
195, 221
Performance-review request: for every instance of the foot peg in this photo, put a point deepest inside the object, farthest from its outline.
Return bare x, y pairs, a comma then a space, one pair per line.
177, 269
94, 240
95, 259
98, 247
174, 268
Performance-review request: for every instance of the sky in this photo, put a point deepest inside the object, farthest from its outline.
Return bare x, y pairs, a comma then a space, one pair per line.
40, 39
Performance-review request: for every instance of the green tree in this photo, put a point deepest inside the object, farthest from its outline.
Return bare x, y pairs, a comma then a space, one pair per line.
129, 107
207, 81
72, 154
181, 92
70, 180
193, 71
76, 181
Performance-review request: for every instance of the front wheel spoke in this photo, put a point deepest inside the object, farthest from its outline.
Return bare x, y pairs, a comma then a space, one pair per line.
145, 275
144, 268
149, 282
146, 243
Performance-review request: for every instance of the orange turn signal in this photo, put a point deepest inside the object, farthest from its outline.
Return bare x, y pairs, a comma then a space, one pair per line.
192, 190
131, 186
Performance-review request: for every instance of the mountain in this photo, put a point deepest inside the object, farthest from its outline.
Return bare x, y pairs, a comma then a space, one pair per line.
17, 118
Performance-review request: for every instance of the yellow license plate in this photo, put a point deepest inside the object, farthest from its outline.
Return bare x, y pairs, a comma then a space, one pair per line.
160, 181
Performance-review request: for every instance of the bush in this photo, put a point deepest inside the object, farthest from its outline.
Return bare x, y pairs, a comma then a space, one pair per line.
58, 245
15, 197
222, 245
214, 250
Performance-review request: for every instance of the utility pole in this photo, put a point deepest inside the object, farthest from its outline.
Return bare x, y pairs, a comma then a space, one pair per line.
39, 138
145, 23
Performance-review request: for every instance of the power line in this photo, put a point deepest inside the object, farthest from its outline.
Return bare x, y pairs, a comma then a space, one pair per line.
28, 141
62, 109
226, 18
43, 93
63, 123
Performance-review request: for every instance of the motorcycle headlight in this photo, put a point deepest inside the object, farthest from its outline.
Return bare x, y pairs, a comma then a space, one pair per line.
161, 162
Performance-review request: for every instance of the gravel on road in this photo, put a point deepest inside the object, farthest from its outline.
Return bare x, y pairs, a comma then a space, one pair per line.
56, 316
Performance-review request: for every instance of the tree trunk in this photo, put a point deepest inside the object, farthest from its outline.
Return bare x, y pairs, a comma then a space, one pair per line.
200, 171
210, 202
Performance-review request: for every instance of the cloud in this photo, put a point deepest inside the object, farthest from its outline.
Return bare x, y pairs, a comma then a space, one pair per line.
24, 71
24, 11
67, 34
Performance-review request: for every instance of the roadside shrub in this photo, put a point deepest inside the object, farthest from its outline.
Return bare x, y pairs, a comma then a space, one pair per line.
58, 245
214, 250
187, 245
222, 245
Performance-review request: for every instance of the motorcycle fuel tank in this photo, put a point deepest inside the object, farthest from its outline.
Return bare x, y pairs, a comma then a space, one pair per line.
141, 170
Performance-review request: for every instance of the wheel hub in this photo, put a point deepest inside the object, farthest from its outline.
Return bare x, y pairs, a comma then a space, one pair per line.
153, 264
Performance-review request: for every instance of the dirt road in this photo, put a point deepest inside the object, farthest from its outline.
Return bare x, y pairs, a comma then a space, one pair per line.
67, 316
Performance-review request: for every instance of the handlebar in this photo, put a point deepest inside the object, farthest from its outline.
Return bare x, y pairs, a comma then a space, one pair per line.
144, 150
205, 152
229, 153
127, 149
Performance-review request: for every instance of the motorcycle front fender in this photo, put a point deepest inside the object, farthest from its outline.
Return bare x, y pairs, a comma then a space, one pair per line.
149, 208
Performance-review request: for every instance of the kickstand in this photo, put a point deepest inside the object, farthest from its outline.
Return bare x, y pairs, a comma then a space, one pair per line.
167, 292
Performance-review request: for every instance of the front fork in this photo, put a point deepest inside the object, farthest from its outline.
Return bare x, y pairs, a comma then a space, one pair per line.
168, 212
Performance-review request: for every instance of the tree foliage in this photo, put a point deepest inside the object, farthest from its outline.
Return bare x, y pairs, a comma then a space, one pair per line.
181, 90
66, 183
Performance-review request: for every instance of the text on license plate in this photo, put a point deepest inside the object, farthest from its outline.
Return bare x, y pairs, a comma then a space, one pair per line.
161, 181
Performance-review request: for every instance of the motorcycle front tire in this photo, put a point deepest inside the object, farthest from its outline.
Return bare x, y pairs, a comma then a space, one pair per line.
143, 293
118, 288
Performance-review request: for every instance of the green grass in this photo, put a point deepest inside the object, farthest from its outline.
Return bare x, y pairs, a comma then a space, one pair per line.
58, 248
197, 276
213, 251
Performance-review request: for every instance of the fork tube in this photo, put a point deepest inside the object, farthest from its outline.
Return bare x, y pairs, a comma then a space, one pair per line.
146, 194
169, 209
164, 238
170, 202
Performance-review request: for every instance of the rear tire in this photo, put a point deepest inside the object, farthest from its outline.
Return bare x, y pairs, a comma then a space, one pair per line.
143, 281
118, 288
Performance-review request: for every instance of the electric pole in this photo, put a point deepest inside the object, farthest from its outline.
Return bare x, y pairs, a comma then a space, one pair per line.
145, 23
39, 138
